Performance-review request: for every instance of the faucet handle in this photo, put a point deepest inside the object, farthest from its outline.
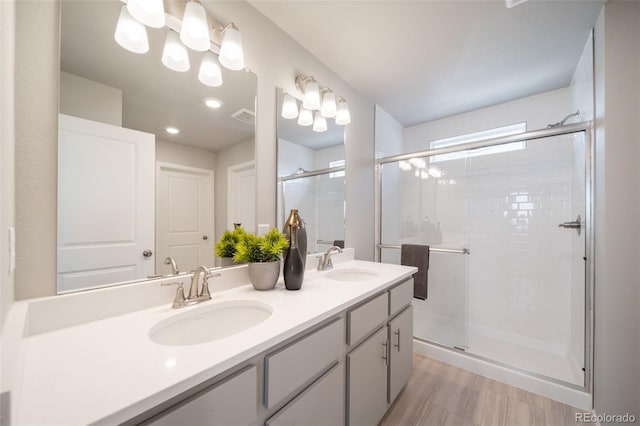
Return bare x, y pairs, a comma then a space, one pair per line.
179, 300
319, 258
204, 293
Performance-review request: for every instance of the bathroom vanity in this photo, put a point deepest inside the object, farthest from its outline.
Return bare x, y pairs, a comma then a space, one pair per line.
336, 352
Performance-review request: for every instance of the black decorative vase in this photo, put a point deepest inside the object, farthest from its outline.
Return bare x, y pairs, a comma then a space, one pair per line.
294, 262
301, 234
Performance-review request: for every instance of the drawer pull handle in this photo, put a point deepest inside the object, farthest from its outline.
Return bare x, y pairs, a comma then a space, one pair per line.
385, 355
397, 345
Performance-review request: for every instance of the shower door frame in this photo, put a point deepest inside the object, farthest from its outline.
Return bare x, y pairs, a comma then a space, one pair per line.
585, 127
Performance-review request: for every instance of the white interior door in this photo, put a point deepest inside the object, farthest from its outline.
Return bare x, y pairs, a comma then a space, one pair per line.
105, 204
241, 195
184, 215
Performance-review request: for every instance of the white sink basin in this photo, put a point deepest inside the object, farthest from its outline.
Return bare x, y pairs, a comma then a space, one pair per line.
209, 322
351, 274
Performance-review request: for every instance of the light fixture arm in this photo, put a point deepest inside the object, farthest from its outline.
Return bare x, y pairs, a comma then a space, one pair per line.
301, 82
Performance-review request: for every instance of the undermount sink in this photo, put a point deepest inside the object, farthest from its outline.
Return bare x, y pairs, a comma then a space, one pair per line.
210, 322
351, 274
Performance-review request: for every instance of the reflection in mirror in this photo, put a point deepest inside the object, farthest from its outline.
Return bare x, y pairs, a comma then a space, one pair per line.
152, 163
311, 179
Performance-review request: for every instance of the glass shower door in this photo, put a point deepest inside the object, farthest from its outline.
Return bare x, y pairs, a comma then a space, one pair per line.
422, 206
527, 286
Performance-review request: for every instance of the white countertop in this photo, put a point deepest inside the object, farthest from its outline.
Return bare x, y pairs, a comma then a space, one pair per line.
108, 371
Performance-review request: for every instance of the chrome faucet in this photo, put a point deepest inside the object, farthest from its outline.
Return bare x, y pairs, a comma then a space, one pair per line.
194, 296
324, 261
174, 266
193, 289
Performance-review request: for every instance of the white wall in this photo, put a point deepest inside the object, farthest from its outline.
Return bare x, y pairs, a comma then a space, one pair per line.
170, 152
538, 111
276, 59
84, 98
617, 208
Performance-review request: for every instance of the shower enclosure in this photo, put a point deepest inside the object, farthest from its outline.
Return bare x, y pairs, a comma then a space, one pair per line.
508, 221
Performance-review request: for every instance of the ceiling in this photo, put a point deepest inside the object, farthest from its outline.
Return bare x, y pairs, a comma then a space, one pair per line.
154, 96
424, 60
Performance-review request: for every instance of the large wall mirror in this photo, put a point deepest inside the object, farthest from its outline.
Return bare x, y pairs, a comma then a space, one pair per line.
152, 163
311, 179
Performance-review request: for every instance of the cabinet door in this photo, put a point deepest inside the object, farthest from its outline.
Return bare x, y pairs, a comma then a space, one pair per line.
322, 403
367, 375
401, 359
231, 403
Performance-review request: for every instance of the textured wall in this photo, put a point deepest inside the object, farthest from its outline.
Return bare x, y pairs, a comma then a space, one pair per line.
617, 208
36, 91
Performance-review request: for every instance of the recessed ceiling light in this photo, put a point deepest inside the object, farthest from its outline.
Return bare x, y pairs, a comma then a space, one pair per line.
213, 103
172, 130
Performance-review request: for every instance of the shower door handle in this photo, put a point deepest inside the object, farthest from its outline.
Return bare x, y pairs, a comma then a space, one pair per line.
576, 224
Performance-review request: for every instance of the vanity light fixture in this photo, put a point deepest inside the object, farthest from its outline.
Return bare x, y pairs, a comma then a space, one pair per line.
319, 123
343, 116
210, 73
328, 108
194, 32
306, 117
147, 12
174, 54
231, 51
213, 103
172, 130
131, 34
289, 107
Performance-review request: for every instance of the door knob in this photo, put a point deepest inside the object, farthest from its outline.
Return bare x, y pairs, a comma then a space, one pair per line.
147, 253
204, 237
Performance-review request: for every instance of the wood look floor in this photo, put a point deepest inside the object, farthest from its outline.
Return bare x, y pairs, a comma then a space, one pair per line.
439, 394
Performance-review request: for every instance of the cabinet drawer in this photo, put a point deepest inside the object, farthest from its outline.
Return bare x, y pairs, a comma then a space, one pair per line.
294, 365
234, 402
365, 318
400, 296
322, 403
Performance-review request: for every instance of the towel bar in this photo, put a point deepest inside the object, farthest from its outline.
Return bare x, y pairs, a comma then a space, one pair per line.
434, 249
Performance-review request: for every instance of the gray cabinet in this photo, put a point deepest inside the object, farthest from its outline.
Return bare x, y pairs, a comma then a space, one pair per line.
401, 351
322, 403
233, 402
367, 376
291, 367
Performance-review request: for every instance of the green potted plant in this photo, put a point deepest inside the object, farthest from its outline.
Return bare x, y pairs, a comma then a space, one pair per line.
225, 247
263, 253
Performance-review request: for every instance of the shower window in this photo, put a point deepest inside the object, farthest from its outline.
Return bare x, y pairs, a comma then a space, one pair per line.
476, 136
